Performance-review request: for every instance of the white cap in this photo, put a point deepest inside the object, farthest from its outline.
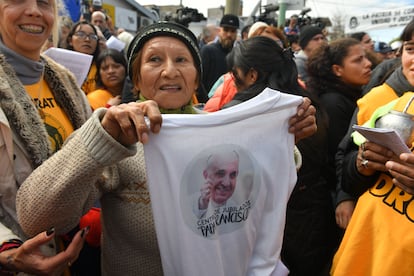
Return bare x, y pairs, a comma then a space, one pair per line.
256, 26
396, 45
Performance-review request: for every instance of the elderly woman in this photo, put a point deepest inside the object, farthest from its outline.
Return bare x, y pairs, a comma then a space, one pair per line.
40, 105
104, 161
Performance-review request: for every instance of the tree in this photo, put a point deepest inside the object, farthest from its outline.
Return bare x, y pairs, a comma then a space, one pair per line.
338, 26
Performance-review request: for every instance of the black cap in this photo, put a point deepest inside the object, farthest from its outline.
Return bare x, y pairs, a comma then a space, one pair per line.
230, 21
307, 33
382, 47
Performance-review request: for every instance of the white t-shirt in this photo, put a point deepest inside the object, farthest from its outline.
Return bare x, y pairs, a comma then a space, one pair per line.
243, 236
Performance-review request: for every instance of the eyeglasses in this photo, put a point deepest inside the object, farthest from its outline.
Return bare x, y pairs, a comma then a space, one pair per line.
83, 35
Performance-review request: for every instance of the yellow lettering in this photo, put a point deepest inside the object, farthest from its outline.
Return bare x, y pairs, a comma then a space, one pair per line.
393, 196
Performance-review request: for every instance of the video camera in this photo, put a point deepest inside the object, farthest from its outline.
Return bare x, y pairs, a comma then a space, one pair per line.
185, 16
305, 20
265, 14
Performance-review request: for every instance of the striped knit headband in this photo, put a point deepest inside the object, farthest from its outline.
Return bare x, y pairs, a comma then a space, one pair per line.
164, 29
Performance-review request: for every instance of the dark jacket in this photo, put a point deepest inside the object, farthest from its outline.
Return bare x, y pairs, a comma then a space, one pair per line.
339, 102
310, 237
213, 58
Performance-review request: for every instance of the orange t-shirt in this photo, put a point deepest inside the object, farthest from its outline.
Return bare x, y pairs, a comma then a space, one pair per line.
99, 98
55, 119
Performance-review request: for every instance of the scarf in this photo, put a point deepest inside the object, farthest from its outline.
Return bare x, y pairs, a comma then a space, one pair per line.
27, 70
185, 109
399, 82
22, 114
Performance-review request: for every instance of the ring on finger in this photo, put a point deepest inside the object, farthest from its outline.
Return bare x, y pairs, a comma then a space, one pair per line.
364, 163
363, 150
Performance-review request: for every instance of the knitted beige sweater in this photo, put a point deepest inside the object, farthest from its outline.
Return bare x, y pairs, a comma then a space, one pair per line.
91, 165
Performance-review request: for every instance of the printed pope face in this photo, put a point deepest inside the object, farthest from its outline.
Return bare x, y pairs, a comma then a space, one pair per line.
221, 175
219, 189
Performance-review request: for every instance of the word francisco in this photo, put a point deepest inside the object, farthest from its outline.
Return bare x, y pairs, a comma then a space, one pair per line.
223, 216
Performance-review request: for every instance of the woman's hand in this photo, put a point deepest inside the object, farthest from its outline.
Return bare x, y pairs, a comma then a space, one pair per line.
343, 213
372, 158
126, 122
303, 124
403, 172
28, 257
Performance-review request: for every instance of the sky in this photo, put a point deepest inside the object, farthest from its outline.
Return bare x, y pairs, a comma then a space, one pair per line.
319, 8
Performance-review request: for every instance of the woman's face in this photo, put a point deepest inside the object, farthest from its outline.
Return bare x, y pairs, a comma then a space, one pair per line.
166, 72
367, 43
407, 60
112, 73
25, 25
356, 68
84, 40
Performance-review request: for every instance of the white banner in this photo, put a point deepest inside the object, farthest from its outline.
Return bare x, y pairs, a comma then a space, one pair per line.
380, 19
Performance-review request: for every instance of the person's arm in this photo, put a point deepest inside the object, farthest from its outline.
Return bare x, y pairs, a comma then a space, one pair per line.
18, 256
348, 176
344, 202
66, 185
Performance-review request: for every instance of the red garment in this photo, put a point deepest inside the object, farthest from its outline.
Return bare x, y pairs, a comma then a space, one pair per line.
92, 219
224, 94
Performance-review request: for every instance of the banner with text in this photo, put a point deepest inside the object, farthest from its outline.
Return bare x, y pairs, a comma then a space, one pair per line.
380, 19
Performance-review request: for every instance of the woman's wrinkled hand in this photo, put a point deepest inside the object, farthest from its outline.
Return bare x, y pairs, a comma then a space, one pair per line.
127, 124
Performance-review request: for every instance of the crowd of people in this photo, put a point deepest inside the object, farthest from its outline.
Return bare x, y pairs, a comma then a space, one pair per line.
74, 193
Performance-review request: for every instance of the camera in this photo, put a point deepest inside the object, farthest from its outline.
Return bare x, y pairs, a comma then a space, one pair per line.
185, 16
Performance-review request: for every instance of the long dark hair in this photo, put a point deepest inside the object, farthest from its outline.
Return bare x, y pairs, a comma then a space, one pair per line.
275, 66
320, 62
358, 36
116, 55
407, 33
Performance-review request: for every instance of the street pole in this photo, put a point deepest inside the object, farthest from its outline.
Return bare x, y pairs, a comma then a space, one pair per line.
282, 13
232, 7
